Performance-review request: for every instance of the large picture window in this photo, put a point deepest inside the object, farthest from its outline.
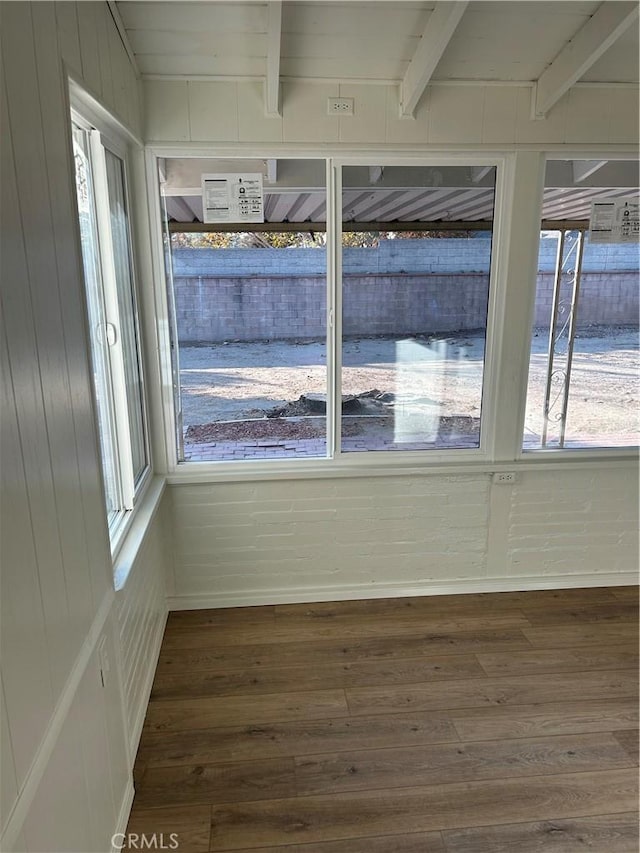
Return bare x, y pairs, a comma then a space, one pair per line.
584, 384
263, 371
112, 318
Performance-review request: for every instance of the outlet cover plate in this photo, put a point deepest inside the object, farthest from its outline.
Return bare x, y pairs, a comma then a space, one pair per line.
340, 106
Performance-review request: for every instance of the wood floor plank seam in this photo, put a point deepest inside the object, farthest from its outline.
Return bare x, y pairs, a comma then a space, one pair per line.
340, 794
349, 711
457, 741
515, 708
483, 673
165, 660
296, 778
482, 677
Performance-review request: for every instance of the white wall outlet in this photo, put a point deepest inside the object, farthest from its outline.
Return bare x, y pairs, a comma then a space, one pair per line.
504, 477
340, 106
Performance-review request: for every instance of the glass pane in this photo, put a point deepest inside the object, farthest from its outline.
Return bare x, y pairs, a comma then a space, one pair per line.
250, 310
96, 316
584, 381
126, 311
415, 268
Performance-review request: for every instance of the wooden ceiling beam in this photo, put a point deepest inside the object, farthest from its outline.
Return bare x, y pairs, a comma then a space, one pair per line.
441, 25
595, 37
272, 78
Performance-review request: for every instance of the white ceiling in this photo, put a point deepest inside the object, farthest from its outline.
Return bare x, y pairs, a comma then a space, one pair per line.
365, 41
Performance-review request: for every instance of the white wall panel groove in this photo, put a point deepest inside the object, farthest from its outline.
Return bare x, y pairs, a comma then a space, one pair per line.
460, 115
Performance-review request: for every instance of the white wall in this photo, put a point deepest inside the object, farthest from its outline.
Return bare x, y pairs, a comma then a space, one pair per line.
309, 540
290, 540
66, 764
182, 111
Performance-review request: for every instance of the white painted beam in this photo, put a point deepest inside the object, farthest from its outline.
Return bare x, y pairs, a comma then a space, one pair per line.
375, 174
596, 36
433, 43
272, 79
179, 209
479, 172
583, 169
272, 171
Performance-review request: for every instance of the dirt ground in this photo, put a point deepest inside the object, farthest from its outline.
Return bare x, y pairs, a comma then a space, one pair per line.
419, 376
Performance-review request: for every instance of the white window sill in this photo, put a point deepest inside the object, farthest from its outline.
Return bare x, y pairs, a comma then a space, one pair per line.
365, 466
132, 537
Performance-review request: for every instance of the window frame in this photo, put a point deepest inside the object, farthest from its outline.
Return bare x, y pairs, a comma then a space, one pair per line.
105, 135
501, 449
536, 456
335, 459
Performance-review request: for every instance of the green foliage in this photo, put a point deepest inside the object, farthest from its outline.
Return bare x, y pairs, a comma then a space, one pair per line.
297, 239
250, 240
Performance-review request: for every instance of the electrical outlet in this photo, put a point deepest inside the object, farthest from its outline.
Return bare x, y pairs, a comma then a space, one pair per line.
504, 477
340, 106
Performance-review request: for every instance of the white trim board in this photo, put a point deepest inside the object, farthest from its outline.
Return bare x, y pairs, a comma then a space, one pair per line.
356, 592
123, 817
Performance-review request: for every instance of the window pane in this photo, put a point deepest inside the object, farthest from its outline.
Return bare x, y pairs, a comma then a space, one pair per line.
415, 299
126, 310
584, 382
96, 312
250, 308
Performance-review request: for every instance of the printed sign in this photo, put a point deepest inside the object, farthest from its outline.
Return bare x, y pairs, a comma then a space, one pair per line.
615, 221
232, 198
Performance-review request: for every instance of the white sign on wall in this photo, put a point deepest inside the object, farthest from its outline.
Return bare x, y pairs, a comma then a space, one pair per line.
614, 221
232, 198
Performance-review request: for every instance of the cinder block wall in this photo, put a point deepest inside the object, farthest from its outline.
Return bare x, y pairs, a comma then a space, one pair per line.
403, 287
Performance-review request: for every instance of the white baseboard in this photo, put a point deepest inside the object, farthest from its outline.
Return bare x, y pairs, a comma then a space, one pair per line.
123, 817
382, 590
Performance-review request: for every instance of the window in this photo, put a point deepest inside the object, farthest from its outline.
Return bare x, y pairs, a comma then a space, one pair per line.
584, 383
112, 318
295, 339
415, 296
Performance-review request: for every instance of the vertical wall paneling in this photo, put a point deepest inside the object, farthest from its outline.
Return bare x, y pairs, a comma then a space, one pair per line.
68, 33
446, 114
141, 617
54, 529
119, 67
66, 767
58, 821
93, 736
85, 492
104, 23
213, 111
25, 671
166, 107
29, 701
8, 778
89, 45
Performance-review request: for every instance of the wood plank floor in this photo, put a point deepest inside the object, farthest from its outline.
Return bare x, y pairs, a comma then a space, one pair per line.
452, 724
